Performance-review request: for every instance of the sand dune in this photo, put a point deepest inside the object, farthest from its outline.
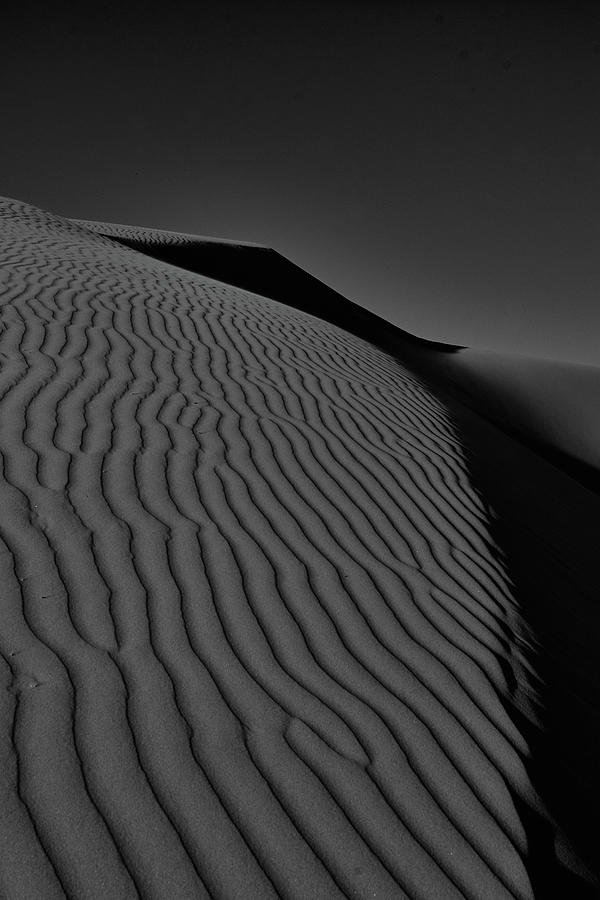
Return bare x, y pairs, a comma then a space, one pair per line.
260, 635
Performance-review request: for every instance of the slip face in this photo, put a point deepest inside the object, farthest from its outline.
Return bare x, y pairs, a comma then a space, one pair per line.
257, 638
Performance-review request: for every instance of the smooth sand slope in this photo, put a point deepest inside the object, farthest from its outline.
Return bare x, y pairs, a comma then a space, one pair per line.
267, 626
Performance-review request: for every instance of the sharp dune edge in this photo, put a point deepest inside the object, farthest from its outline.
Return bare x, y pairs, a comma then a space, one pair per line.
259, 636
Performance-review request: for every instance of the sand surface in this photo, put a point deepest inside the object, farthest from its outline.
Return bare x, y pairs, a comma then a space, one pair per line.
278, 618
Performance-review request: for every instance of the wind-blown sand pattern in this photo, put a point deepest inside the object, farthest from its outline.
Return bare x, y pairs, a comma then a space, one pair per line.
257, 637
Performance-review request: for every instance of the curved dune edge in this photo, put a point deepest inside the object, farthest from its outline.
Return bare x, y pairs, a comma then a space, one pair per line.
257, 639
262, 270
550, 406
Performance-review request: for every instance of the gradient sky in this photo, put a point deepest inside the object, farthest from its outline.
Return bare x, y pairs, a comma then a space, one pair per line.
438, 163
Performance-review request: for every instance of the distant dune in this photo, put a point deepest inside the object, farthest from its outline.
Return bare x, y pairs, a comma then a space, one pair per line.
293, 603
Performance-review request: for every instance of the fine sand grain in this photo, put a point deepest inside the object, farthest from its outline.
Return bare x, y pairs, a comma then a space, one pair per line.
259, 633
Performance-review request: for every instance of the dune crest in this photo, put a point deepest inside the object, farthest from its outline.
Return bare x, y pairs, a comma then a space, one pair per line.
258, 639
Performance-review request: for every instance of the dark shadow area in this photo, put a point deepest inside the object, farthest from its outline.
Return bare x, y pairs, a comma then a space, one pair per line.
546, 524
552, 408
586, 474
264, 271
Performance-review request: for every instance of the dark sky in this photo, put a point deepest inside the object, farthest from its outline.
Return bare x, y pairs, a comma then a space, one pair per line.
438, 163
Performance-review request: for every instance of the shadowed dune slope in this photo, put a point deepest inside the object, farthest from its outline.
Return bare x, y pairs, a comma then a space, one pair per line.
257, 636
550, 406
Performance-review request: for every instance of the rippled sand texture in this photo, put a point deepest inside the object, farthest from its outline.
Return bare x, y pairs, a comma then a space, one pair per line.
256, 638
